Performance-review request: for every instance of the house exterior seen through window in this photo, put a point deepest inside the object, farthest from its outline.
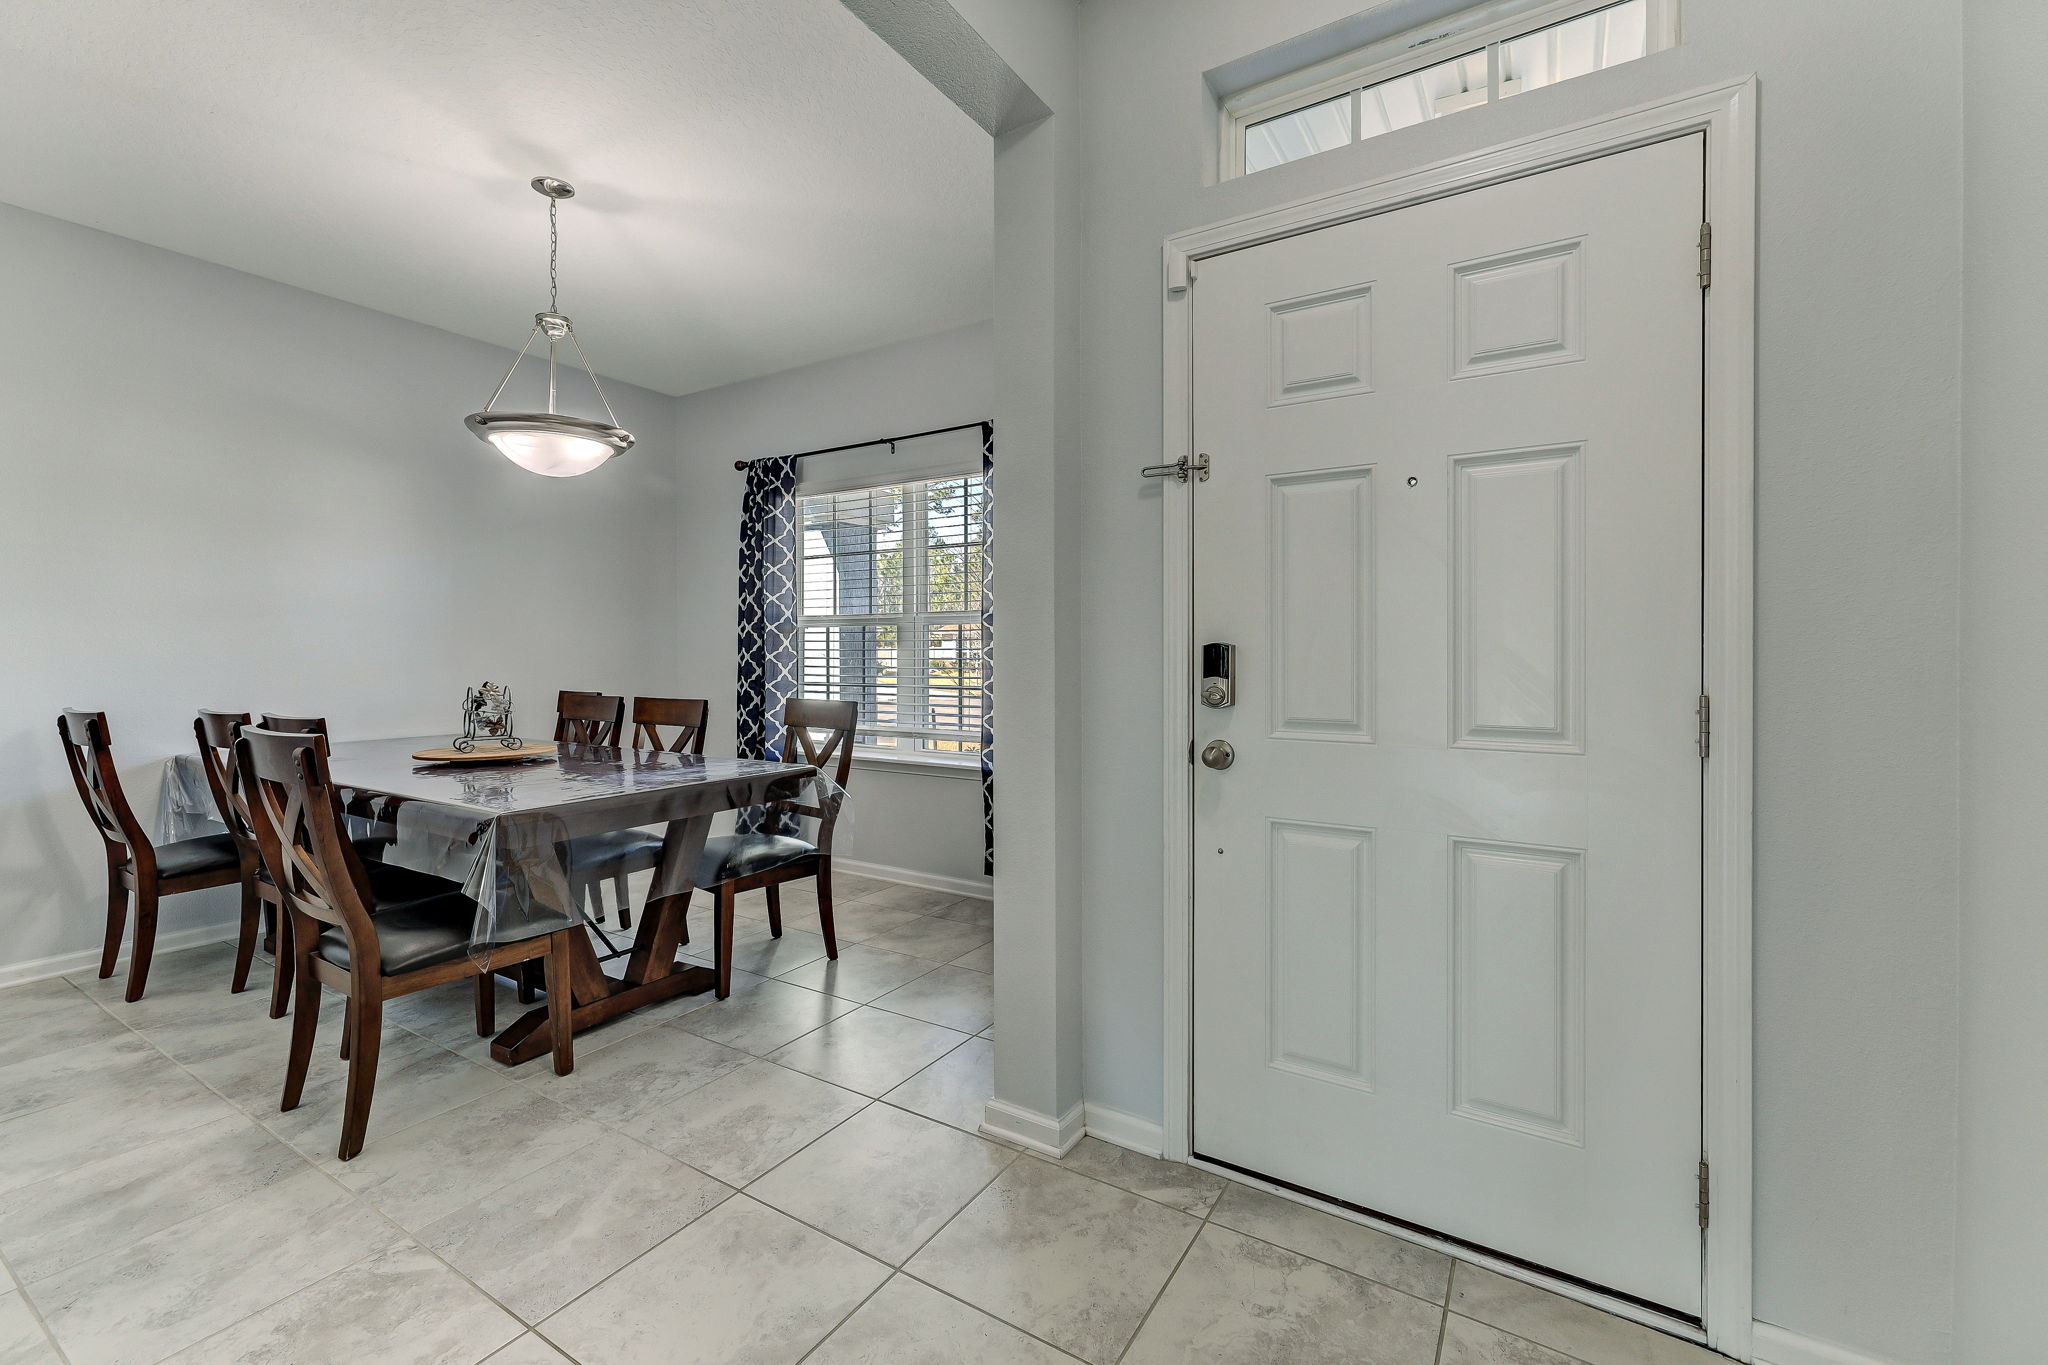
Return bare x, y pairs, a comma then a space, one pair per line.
1426, 75
891, 613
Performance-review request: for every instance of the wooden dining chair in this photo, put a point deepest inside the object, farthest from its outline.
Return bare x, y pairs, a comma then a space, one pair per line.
391, 884
136, 867
589, 718
683, 716
343, 940
374, 832
618, 854
819, 733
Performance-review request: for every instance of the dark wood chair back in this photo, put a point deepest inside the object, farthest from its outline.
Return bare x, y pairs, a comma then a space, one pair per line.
589, 718
90, 755
295, 725
296, 812
685, 716
216, 732
820, 733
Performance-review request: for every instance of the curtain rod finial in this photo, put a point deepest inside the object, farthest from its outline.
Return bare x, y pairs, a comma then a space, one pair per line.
739, 464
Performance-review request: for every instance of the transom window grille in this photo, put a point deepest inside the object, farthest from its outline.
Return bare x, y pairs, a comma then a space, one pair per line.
1394, 85
891, 612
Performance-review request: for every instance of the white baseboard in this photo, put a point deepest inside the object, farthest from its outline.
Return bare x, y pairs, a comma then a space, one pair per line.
1777, 1346
1125, 1130
88, 959
1028, 1128
930, 881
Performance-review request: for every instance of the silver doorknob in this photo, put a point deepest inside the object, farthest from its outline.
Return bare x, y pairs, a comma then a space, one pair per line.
1218, 754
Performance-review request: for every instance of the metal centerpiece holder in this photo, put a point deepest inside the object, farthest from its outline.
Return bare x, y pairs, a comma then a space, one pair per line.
487, 715
487, 734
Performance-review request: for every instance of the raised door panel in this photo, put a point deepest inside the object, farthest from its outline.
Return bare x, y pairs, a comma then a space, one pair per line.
1320, 530
1517, 955
1319, 952
1518, 310
1320, 346
1517, 569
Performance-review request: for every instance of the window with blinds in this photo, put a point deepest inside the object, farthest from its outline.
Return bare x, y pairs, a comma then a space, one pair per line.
891, 612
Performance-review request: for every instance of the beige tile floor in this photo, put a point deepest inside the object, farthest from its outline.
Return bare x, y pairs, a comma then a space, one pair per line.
789, 1175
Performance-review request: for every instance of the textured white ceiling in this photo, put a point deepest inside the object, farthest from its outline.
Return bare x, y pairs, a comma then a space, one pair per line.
761, 183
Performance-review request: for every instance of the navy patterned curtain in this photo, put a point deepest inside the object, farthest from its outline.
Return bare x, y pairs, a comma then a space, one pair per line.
988, 648
768, 645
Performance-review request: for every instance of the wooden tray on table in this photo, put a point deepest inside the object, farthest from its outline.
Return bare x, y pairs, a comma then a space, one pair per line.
489, 751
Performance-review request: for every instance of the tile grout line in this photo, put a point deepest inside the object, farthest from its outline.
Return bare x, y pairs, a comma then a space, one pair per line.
1208, 1217
914, 1278
1164, 1285
1332, 1265
21, 1288
1443, 1322
866, 1299
785, 1213
899, 1269
1179, 1261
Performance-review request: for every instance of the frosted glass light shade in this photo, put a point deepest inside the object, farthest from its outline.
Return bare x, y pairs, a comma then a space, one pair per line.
550, 443
555, 454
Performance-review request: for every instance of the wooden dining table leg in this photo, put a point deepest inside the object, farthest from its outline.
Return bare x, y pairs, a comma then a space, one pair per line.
652, 973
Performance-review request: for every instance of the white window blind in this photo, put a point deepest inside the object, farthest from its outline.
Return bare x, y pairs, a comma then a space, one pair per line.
891, 611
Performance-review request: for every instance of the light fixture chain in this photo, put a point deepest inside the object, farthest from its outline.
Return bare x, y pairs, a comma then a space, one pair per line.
554, 241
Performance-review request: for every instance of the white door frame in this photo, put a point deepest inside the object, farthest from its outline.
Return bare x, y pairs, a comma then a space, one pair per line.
1727, 115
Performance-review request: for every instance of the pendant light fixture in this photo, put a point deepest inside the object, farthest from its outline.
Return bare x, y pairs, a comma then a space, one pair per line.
552, 443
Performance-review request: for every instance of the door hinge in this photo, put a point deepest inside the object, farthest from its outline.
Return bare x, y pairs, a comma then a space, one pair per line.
1703, 1201
1706, 255
1705, 712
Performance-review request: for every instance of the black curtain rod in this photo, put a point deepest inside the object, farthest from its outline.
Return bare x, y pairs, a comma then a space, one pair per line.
889, 441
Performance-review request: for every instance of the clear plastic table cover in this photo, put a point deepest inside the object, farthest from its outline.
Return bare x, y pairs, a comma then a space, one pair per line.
501, 829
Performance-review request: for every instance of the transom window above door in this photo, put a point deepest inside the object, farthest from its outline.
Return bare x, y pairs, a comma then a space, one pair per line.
891, 598
1496, 52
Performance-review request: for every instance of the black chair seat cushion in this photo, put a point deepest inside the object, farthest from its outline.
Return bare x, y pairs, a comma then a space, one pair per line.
409, 937
392, 886
188, 857
614, 852
729, 857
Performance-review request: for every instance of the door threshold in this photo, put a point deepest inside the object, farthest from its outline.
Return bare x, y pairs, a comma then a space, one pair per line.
1622, 1305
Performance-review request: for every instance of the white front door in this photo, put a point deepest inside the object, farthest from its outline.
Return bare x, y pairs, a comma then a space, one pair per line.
1447, 920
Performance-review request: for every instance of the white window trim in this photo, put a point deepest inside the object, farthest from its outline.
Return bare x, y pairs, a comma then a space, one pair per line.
1485, 26
965, 766
914, 621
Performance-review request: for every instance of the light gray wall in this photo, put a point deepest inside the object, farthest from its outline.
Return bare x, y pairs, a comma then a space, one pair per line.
913, 821
220, 491
1857, 568
2002, 1228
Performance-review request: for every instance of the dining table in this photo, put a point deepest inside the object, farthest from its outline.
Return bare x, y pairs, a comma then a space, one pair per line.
502, 828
